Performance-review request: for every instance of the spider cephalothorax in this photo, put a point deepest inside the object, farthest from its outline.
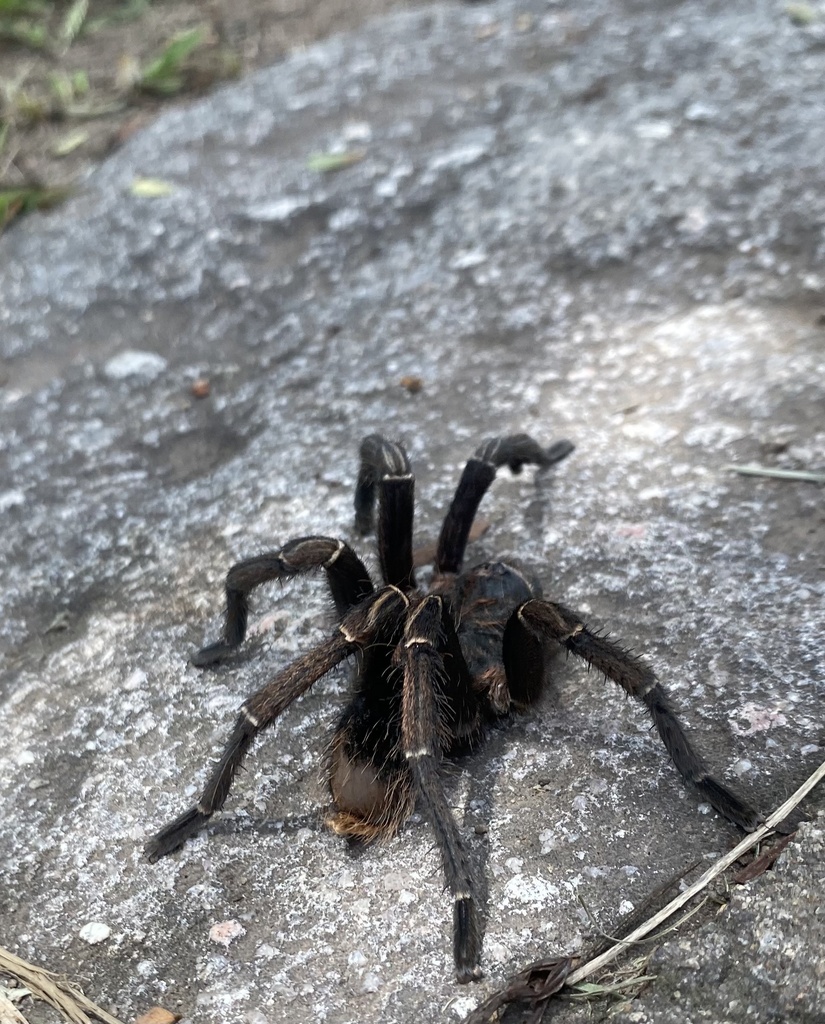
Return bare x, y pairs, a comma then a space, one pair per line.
431, 668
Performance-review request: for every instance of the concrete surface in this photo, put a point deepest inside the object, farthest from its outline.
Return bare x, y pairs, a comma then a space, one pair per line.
604, 223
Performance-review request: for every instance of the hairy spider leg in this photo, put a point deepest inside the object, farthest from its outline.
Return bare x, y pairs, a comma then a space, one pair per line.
459, 701
536, 619
348, 580
514, 451
366, 769
358, 628
425, 735
385, 467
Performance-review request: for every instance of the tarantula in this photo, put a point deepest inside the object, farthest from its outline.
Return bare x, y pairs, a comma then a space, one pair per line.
431, 668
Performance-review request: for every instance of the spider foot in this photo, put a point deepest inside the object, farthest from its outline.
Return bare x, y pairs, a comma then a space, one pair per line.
556, 452
467, 940
212, 654
733, 807
465, 974
175, 834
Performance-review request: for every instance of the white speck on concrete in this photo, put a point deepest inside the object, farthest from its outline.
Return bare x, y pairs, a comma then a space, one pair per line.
95, 932
134, 364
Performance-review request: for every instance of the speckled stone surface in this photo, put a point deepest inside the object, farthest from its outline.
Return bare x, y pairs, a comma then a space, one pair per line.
604, 223
756, 959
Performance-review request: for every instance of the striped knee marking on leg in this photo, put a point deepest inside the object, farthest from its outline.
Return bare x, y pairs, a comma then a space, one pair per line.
418, 640
577, 630
413, 755
396, 462
332, 558
253, 721
389, 594
491, 454
644, 691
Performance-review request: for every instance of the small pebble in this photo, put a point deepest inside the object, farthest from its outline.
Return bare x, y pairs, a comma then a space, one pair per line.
95, 932
134, 364
225, 932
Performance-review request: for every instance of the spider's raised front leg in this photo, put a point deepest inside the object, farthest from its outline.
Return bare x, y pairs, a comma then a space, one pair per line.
358, 629
386, 468
538, 620
348, 579
514, 451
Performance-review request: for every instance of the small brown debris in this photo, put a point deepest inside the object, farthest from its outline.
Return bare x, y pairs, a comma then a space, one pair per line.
759, 865
535, 984
200, 388
411, 383
157, 1015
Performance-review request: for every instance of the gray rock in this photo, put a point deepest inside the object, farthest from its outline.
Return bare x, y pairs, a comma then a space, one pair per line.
604, 223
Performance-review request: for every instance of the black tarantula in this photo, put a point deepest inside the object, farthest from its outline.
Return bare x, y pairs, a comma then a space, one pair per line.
431, 668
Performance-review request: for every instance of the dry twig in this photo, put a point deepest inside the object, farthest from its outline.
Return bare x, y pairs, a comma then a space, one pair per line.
57, 992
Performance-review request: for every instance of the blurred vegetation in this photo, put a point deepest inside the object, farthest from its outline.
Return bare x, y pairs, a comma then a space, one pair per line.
74, 75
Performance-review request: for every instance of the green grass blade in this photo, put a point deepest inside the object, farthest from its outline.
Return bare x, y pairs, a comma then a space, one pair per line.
163, 74
328, 162
26, 33
130, 11
74, 21
14, 8
14, 202
779, 474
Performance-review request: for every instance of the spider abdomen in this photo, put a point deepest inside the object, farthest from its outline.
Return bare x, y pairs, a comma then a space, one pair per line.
366, 772
370, 802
